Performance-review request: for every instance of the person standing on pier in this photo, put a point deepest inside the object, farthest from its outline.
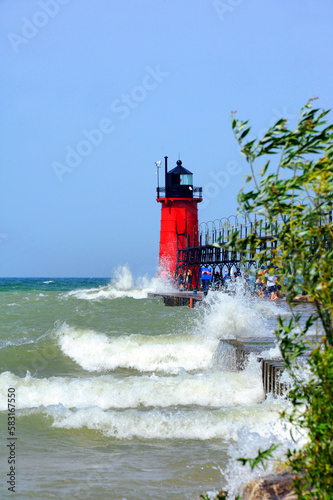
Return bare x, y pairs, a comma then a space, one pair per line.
262, 282
271, 285
189, 278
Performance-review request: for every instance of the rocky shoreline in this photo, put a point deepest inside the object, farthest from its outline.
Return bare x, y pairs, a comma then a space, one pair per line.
275, 486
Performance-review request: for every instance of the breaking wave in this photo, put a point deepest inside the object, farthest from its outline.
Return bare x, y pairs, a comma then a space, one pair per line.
123, 284
95, 351
213, 389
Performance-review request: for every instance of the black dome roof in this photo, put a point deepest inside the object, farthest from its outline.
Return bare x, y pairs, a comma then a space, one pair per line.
179, 169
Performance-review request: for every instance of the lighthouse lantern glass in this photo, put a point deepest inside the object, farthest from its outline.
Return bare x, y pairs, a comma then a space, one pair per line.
186, 179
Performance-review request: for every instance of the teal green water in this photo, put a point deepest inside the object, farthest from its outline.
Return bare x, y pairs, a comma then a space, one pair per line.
120, 397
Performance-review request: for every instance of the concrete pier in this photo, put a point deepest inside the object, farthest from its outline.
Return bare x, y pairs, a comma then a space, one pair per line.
179, 298
272, 369
232, 354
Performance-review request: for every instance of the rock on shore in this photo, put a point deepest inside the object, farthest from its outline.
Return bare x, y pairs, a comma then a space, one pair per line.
276, 486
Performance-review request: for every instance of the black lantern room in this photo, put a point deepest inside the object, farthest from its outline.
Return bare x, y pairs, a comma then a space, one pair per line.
179, 182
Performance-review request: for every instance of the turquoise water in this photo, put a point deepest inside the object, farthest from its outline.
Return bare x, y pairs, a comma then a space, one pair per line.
120, 397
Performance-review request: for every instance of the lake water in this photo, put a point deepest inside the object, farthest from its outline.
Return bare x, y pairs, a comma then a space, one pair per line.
120, 397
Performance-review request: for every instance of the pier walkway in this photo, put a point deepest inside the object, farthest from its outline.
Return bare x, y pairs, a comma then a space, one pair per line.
179, 298
213, 251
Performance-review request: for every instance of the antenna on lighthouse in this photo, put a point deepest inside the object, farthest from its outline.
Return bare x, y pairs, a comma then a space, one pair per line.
166, 175
158, 165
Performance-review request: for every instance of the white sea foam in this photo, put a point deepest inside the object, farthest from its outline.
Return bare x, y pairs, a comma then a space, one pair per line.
272, 353
123, 284
236, 316
250, 439
95, 351
208, 389
170, 423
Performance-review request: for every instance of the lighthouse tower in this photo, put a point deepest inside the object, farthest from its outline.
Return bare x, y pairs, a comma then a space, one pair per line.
179, 215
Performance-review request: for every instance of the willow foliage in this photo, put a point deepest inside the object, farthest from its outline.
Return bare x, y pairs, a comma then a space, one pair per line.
294, 193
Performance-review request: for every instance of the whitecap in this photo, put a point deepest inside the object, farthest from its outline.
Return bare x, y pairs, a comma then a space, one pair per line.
206, 389
123, 285
95, 351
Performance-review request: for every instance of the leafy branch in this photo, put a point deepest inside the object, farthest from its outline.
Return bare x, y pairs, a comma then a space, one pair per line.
261, 458
296, 200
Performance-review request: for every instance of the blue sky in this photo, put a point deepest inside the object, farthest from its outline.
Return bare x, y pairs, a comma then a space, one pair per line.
93, 93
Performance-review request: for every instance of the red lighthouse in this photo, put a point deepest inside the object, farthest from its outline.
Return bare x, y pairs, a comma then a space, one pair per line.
179, 215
